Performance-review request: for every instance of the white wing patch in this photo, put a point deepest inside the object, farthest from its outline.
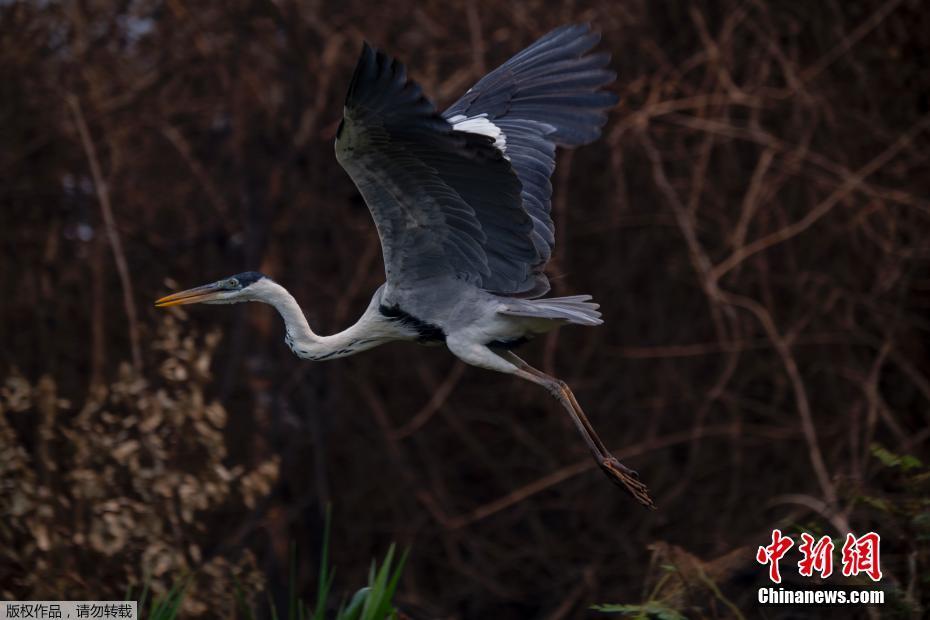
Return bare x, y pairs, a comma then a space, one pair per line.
482, 126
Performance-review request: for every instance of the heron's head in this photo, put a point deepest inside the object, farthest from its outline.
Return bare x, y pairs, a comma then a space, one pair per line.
246, 286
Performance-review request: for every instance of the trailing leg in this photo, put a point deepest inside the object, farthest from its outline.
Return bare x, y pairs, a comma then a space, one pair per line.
613, 468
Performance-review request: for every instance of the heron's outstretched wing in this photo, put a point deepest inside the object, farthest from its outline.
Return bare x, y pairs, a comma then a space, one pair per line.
437, 195
548, 95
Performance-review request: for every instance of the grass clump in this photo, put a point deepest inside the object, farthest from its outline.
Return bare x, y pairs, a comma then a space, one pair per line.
375, 601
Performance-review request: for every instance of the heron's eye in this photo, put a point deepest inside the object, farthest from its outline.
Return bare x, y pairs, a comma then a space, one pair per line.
232, 283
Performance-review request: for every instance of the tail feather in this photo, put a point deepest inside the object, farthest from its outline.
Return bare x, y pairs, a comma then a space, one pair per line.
577, 309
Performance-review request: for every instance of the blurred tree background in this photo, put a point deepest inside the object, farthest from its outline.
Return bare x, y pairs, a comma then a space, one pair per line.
755, 223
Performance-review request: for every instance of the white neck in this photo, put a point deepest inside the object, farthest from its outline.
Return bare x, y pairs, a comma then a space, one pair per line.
368, 332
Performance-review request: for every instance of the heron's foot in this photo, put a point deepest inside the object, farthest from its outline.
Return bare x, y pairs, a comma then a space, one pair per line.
628, 479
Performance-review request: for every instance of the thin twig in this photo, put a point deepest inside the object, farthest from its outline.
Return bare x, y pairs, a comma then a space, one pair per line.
824, 207
869, 24
477, 39
103, 195
561, 475
800, 393
435, 403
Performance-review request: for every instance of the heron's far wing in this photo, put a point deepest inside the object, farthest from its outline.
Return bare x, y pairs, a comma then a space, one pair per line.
548, 95
436, 194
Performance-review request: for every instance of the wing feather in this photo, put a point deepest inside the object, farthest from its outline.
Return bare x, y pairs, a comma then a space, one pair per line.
437, 196
545, 96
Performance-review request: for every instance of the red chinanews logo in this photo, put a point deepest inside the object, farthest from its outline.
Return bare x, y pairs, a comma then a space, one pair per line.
859, 555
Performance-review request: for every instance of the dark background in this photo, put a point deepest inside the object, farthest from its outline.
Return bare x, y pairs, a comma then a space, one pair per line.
754, 222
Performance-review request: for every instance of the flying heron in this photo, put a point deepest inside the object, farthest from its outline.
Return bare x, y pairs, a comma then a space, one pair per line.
461, 201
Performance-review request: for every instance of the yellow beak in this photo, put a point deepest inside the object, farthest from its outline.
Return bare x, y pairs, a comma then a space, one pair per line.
190, 296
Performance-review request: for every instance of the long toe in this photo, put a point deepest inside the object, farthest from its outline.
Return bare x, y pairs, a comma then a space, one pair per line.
618, 465
628, 479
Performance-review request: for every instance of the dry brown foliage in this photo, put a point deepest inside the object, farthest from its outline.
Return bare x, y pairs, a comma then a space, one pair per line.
122, 492
755, 224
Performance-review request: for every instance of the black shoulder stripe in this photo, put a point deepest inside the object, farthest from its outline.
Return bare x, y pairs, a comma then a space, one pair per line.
426, 332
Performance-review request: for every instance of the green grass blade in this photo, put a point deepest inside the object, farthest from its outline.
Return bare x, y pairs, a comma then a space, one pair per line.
395, 578
325, 583
247, 611
292, 582
356, 605
168, 607
272, 607
146, 581
378, 605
